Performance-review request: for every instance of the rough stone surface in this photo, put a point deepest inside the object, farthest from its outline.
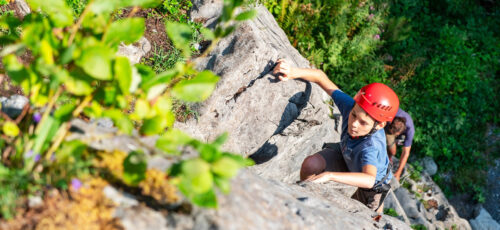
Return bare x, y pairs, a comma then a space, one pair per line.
22, 8
492, 193
267, 120
484, 221
119, 198
425, 204
13, 106
134, 52
429, 166
206, 11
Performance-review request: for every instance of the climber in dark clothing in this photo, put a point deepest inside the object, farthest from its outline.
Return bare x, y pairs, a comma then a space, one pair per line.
360, 159
400, 132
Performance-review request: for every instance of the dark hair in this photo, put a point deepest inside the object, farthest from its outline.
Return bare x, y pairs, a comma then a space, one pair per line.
398, 125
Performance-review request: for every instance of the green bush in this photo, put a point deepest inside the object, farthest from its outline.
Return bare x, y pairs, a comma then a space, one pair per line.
73, 71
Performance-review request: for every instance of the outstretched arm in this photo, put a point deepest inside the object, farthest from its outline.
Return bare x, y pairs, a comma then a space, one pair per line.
402, 161
364, 179
313, 75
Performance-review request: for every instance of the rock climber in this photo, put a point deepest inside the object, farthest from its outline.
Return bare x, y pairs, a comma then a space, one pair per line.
400, 133
360, 159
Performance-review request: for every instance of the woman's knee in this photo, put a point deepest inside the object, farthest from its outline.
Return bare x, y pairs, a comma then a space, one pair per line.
312, 165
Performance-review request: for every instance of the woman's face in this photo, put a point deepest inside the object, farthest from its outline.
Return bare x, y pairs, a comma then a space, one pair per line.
359, 122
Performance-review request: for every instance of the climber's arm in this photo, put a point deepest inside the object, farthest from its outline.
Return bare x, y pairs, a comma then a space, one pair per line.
364, 179
313, 75
402, 161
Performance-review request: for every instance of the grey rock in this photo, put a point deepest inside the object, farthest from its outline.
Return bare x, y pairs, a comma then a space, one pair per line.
22, 8
484, 221
134, 52
206, 12
35, 201
13, 106
140, 217
275, 123
392, 202
120, 198
408, 204
430, 166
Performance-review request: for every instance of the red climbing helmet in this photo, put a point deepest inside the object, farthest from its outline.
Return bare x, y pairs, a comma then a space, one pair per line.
379, 101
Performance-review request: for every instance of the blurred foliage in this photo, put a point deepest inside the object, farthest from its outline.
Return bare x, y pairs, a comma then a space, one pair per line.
65, 60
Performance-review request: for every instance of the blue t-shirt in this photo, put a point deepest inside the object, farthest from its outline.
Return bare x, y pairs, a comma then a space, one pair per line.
367, 150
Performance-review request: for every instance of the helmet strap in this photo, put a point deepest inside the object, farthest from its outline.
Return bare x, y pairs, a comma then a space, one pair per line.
373, 128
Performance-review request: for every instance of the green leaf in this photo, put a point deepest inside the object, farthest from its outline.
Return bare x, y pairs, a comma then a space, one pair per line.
197, 89
162, 78
67, 54
64, 113
197, 176
96, 62
46, 52
171, 141
134, 168
79, 84
144, 3
208, 152
207, 33
123, 74
10, 129
163, 105
121, 121
246, 15
154, 125
70, 149
58, 11
128, 30
226, 167
106, 6
181, 35
94, 110
223, 184
44, 135
207, 199
141, 108
16, 70
220, 140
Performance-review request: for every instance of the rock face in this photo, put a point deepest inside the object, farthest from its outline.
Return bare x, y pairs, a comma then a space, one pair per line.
421, 202
13, 106
430, 166
484, 221
275, 123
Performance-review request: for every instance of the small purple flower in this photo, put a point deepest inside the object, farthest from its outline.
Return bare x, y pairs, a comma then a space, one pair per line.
37, 117
372, 8
37, 157
28, 154
76, 184
376, 37
370, 17
53, 157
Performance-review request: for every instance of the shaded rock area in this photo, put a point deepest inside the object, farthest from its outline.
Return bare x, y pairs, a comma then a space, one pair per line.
492, 194
420, 201
13, 106
484, 221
